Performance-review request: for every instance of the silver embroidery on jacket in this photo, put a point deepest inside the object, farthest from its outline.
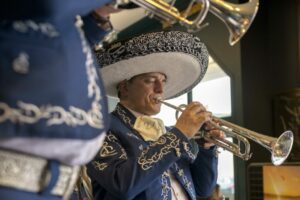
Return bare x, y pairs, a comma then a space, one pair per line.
123, 115
93, 88
30, 113
188, 150
21, 63
43, 27
100, 166
110, 148
107, 150
187, 184
56, 115
165, 185
148, 159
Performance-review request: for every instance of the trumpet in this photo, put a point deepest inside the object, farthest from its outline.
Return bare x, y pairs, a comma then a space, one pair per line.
237, 17
280, 147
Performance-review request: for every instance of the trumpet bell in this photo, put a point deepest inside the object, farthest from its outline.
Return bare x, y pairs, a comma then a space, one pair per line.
282, 147
237, 17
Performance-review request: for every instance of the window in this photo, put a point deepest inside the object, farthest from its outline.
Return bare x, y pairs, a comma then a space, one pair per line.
214, 92
167, 114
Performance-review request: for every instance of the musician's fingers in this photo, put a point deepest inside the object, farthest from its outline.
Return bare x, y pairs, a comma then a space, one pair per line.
217, 133
195, 107
204, 117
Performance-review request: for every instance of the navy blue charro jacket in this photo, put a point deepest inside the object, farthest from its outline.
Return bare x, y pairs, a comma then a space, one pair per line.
48, 80
127, 167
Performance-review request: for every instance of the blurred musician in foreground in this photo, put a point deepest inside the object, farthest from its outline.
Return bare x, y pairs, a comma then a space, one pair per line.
53, 112
140, 157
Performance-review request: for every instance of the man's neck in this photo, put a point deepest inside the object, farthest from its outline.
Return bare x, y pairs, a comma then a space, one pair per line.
135, 113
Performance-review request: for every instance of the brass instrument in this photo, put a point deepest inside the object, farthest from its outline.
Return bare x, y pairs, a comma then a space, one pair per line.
167, 12
279, 147
237, 17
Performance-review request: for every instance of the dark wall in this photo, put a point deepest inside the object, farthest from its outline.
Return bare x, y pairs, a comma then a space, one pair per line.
262, 65
270, 65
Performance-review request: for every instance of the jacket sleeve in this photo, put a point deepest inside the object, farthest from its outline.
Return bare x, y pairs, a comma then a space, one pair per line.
93, 32
205, 171
125, 166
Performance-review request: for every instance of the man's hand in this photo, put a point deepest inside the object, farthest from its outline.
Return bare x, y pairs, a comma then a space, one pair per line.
106, 10
214, 133
192, 119
211, 133
101, 15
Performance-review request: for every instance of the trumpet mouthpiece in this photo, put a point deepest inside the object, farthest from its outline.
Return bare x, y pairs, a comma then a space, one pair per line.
158, 99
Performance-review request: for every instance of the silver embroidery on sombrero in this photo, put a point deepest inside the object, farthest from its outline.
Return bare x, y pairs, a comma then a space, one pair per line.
56, 115
173, 41
187, 184
169, 141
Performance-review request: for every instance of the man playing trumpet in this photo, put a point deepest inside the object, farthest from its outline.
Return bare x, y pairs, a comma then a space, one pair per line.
141, 158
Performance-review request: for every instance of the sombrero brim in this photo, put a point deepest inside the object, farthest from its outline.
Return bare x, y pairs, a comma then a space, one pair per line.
178, 55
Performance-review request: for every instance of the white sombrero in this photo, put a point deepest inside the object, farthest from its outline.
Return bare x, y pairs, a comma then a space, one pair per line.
179, 55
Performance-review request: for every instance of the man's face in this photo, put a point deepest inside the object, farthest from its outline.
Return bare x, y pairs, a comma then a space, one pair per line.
141, 91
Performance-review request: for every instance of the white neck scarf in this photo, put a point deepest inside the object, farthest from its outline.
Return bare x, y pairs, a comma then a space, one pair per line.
149, 128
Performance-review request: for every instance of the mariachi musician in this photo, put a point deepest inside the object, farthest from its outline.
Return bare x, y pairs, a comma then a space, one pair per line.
141, 158
53, 112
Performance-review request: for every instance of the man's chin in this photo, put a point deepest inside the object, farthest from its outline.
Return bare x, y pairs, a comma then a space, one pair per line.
156, 111
153, 111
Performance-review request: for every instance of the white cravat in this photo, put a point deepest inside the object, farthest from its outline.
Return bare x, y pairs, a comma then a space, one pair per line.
149, 128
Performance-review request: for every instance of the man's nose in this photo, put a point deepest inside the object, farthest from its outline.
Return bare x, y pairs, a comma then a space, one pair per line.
159, 87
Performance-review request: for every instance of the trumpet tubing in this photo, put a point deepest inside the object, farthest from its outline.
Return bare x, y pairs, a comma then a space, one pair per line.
167, 12
279, 147
237, 17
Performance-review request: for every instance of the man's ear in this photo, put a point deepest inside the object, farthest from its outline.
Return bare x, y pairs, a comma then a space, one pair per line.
123, 88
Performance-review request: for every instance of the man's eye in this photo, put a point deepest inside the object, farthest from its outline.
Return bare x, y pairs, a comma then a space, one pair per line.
151, 80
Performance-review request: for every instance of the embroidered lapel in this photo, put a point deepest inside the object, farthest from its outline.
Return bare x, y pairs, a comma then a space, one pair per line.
128, 119
124, 115
183, 179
